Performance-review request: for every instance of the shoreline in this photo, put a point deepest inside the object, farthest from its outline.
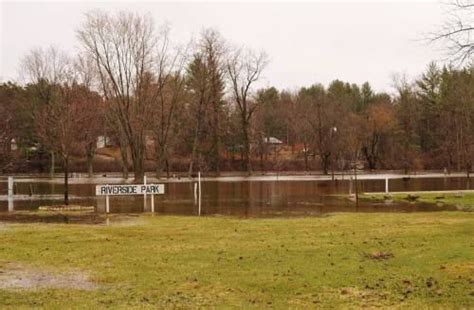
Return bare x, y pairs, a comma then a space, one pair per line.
114, 178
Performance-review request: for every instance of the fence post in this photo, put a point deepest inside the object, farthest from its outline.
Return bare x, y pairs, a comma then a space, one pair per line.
199, 181
350, 186
10, 194
10, 187
195, 192
386, 185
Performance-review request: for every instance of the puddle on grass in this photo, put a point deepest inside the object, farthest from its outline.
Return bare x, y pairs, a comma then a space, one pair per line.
19, 277
72, 217
51, 217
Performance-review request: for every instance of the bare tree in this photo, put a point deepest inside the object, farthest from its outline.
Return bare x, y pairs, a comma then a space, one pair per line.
319, 123
6, 125
302, 127
214, 50
93, 107
353, 143
244, 68
206, 85
457, 32
123, 47
198, 86
379, 123
45, 68
57, 120
166, 93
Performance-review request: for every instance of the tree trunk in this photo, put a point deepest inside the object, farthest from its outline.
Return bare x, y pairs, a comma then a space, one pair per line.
66, 180
194, 151
136, 142
305, 156
197, 134
138, 162
90, 152
51, 168
167, 168
247, 159
468, 174
124, 163
356, 185
125, 170
161, 160
370, 158
90, 167
325, 162
216, 154
332, 170
124, 156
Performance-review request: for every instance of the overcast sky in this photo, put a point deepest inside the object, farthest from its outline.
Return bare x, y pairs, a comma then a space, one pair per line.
307, 42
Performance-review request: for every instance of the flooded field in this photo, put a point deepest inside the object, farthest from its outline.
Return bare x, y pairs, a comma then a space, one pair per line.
244, 198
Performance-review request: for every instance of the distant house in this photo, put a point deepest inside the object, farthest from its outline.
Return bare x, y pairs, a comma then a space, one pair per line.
13, 145
102, 141
273, 145
273, 141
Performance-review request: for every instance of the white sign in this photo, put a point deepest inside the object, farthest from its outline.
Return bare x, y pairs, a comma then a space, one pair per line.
129, 189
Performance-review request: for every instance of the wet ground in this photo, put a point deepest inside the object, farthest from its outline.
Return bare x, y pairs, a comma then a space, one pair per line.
20, 277
52, 217
258, 196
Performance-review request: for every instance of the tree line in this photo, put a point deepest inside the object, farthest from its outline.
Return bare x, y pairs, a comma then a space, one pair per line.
201, 103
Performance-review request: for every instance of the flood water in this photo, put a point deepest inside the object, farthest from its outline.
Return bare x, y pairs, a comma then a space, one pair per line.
237, 198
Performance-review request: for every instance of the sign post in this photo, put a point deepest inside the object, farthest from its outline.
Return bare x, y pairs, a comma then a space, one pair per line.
144, 195
107, 204
152, 203
129, 189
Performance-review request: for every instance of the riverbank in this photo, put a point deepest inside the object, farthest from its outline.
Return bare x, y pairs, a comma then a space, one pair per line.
342, 260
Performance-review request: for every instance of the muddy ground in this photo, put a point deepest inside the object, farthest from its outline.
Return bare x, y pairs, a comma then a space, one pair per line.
21, 277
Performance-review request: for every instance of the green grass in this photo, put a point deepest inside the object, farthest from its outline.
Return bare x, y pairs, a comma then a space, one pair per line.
464, 201
168, 262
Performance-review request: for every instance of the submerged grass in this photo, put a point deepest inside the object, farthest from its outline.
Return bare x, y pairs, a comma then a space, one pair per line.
344, 260
462, 200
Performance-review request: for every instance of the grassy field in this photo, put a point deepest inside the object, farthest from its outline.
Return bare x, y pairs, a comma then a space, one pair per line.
344, 260
463, 200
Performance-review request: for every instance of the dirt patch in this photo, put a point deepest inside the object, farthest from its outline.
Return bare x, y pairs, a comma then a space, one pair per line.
125, 220
27, 278
379, 255
365, 298
69, 217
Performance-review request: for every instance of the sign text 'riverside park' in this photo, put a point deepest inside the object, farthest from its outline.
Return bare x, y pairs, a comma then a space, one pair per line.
132, 189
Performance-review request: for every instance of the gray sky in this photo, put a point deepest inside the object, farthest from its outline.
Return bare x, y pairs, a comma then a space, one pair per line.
307, 42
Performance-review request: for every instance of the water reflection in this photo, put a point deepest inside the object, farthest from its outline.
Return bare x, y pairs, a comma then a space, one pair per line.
242, 198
